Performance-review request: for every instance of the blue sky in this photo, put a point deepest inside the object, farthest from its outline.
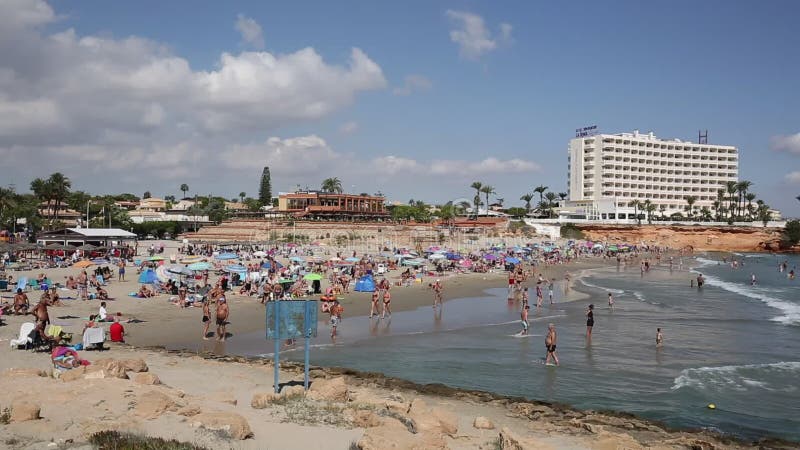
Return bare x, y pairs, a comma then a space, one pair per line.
506, 93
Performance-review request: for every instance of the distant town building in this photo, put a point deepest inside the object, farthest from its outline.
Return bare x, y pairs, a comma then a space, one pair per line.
314, 204
608, 172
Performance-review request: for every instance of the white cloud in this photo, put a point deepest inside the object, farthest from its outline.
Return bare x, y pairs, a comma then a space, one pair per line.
413, 83
489, 165
473, 36
349, 127
250, 30
68, 89
390, 165
293, 156
793, 177
787, 143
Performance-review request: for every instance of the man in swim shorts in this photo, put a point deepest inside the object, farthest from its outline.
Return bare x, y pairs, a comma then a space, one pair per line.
523, 315
550, 342
222, 318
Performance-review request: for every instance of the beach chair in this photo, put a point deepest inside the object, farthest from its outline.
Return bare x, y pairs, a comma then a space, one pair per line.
24, 335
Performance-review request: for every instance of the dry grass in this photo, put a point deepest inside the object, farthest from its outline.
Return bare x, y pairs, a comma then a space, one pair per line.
113, 440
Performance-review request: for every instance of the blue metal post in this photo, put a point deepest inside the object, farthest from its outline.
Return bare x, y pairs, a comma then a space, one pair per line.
308, 342
277, 346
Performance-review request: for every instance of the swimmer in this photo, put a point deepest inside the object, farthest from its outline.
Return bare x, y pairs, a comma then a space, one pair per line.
659, 338
610, 301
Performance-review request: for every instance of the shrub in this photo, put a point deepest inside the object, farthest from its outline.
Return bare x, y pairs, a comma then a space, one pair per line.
570, 231
791, 233
114, 440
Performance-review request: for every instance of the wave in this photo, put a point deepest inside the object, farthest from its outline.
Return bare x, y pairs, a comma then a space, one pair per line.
705, 262
791, 311
778, 376
640, 296
614, 291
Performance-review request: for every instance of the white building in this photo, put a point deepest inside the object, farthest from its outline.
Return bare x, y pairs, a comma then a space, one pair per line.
607, 172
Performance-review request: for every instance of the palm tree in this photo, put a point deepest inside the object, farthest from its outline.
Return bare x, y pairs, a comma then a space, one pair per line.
184, 188
527, 199
60, 186
43, 192
242, 195
741, 188
487, 189
477, 185
662, 209
562, 196
646, 208
705, 213
551, 202
7, 201
690, 201
636, 204
541, 190
463, 206
750, 197
718, 204
333, 185
730, 189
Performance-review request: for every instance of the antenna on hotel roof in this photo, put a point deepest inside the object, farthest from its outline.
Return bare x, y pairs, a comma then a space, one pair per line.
702, 137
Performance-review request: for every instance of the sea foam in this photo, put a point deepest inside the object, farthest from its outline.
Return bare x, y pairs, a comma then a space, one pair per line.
740, 378
791, 311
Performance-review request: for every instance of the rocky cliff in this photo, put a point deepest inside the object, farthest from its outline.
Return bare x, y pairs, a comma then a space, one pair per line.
699, 238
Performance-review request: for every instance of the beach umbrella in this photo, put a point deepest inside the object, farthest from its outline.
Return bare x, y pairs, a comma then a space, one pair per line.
148, 277
510, 260
352, 259
100, 261
83, 264
453, 256
155, 258
191, 259
179, 270
54, 246
226, 256
297, 259
489, 257
87, 247
199, 266
465, 263
259, 254
291, 244
235, 268
312, 277
436, 256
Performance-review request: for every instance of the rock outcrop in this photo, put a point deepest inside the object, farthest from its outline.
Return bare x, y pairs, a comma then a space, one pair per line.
232, 424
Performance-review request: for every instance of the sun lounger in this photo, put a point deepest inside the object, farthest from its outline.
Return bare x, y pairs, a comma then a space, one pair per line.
22, 283
24, 335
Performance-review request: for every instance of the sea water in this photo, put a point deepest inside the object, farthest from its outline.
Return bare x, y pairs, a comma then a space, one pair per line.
731, 343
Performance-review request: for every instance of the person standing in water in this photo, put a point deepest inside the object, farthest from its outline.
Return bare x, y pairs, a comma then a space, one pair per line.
610, 301
700, 280
752, 279
659, 338
550, 342
550, 288
373, 309
523, 315
589, 322
437, 293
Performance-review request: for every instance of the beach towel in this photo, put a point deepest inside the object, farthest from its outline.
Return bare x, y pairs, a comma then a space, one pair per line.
22, 283
93, 336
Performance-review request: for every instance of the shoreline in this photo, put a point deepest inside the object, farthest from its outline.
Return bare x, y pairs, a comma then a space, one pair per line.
442, 390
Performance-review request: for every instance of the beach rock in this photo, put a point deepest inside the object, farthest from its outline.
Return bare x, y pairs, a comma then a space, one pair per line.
334, 390
224, 397
146, 378
613, 441
293, 391
189, 411
23, 411
529, 409
433, 420
397, 407
483, 423
392, 434
108, 369
232, 424
509, 441
264, 400
23, 373
152, 404
135, 365
417, 405
448, 422
364, 418
73, 374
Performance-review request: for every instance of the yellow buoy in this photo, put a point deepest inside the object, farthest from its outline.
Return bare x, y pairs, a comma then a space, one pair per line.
712, 406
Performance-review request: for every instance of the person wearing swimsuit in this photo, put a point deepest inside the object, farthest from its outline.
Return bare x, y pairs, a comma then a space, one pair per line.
589, 322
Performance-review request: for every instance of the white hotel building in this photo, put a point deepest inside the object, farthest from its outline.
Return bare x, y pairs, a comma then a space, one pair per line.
609, 171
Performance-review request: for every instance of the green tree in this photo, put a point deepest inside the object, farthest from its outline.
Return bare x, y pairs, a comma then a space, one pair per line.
44, 193
516, 212
265, 188
690, 201
488, 190
541, 189
242, 195
636, 204
527, 199
550, 197
333, 185
648, 208
730, 189
742, 188
791, 234
750, 197
562, 196
146, 195
764, 214
184, 188
477, 185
